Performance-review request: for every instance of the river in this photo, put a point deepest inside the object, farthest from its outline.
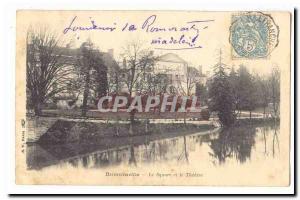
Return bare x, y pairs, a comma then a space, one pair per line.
213, 147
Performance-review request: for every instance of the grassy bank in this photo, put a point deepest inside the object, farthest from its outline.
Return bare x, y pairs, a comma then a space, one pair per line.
121, 115
63, 132
256, 121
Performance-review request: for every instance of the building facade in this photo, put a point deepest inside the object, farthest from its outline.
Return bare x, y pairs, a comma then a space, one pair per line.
182, 77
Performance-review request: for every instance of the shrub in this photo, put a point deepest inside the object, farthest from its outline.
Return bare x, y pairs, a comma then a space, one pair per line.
205, 114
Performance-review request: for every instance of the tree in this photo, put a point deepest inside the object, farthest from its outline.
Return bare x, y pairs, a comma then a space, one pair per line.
139, 61
220, 94
94, 74
202, 93
47, 71
274, 84
188, 84
263, 92
157, 83
233, 79
246, 91
114, 80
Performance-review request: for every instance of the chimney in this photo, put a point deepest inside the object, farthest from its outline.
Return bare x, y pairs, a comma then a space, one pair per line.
111, 52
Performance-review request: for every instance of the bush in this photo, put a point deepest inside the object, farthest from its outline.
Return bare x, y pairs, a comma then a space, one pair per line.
205, 114
49, 106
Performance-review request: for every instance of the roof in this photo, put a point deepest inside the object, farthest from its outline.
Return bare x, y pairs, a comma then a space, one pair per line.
108, 60
171, 57
68, 51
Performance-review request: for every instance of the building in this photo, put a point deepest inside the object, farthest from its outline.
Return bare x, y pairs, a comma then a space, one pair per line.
73, 95
182, 77
179, 77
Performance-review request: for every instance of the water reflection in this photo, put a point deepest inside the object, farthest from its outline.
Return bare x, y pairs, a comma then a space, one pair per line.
275, 147
237, 143
233, 142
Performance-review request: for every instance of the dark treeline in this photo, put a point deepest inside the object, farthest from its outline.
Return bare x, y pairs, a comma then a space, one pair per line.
233, 91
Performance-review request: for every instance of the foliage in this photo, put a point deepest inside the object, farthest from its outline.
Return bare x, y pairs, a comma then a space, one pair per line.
205, 114
94, 74
274, 85
202, 93
188, 84
263, 92
48, 72
253, 91
233, 142
139, 64
220, 94
243, 89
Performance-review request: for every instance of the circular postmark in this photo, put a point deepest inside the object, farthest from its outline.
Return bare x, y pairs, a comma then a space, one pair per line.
253, 35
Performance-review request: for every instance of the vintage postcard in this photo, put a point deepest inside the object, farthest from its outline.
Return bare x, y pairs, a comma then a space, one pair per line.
153, 98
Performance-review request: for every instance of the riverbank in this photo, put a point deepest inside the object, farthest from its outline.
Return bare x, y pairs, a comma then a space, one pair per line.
38, 126
63, 132
84, 133
120, 115
256, 121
